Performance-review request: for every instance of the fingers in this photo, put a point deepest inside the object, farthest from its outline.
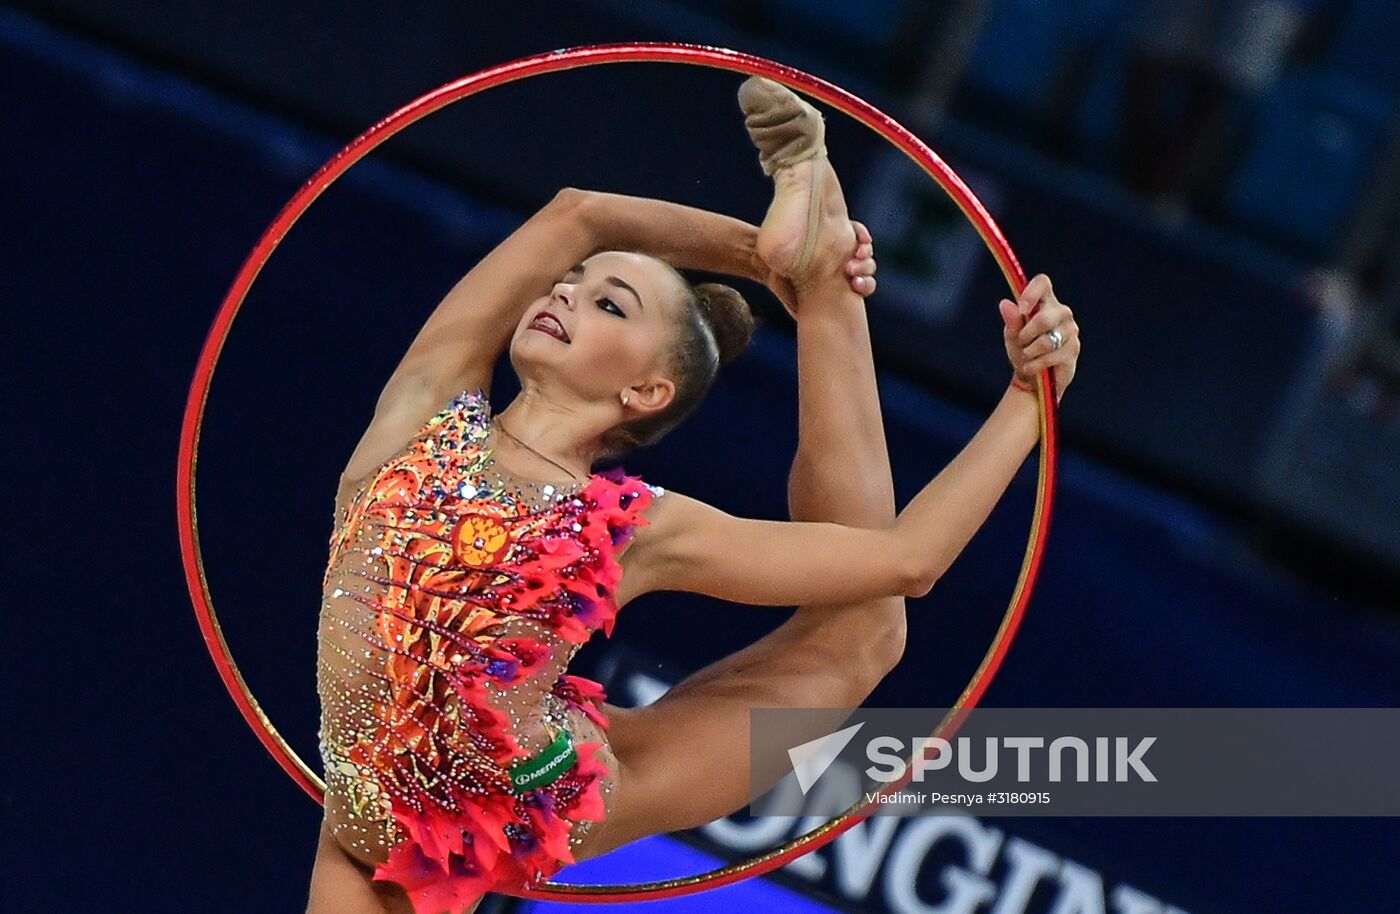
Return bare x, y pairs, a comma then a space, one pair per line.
863, 285
1052, 315
1067, 354
1038, 347
1027, 335
861, 266
860, 269
1039, 287
1012, 318
864, 281
1041, 343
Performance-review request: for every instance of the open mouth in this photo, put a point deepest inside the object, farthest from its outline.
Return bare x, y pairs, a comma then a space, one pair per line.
548, 323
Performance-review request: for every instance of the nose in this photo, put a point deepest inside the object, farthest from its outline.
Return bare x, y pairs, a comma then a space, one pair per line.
563, 294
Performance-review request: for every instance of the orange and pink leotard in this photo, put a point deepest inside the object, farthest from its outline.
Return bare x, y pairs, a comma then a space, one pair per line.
454, 597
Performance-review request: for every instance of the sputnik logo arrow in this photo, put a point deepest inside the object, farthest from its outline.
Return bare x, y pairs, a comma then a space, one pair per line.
811, 759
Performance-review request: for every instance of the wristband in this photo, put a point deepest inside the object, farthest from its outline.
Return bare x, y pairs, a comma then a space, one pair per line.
1019, 386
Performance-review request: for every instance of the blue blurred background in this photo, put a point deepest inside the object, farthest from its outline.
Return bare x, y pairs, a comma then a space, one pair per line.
1213, 187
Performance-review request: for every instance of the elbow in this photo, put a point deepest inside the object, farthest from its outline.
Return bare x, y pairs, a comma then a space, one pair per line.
571, 201
919, 585
578, 208
918, 570
920, 577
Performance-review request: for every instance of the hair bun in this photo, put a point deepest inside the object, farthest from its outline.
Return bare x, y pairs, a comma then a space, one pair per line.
729, 316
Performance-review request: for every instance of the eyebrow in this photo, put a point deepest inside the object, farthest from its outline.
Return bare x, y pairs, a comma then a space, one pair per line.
578, 268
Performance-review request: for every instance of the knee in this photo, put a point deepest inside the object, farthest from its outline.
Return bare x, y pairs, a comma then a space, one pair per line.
888, 644
869, 643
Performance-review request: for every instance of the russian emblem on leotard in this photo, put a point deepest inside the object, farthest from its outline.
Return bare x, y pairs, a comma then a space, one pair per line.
479, 540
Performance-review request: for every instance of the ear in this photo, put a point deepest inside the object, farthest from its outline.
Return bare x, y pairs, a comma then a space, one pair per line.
651, 396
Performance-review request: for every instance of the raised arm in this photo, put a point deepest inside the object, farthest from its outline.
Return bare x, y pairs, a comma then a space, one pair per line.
461, 340
694, 547
472, 325
684, 236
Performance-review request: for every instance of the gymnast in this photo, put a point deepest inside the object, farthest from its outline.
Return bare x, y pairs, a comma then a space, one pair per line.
474, 551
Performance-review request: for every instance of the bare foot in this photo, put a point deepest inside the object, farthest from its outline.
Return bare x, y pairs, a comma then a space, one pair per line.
807, 232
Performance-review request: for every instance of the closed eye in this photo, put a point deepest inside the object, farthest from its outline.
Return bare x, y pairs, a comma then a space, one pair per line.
607, 304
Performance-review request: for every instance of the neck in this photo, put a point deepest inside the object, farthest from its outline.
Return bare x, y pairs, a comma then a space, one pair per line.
568, 433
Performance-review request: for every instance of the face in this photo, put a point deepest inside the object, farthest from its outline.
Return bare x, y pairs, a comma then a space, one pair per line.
604, 329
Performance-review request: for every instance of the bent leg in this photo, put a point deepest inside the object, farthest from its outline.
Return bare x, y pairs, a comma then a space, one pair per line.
684, 759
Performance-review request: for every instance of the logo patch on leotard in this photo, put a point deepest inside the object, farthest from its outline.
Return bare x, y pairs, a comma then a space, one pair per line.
547, 766
479, 540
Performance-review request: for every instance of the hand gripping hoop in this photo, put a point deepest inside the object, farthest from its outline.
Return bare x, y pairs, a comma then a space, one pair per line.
571, 58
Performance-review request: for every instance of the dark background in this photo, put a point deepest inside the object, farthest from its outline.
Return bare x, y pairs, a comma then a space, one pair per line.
1220, 216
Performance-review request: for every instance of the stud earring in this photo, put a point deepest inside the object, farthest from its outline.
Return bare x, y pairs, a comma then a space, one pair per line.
624, 399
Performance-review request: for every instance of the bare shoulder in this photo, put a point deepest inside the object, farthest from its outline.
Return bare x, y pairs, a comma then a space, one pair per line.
657, 542
668, 516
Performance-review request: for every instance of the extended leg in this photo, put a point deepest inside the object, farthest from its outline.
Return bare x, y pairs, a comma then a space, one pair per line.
685, 758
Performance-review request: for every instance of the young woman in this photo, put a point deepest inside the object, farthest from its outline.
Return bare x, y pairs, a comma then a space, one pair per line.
474, 553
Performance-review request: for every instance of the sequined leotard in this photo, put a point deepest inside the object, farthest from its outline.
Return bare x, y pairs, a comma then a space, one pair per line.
454, 598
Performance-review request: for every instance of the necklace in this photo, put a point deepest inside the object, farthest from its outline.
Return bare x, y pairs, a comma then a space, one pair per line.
496, 421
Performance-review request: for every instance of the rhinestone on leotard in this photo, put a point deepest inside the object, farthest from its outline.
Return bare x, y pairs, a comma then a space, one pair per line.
425, 700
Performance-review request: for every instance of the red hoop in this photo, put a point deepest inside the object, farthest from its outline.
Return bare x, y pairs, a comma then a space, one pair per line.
660, 52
